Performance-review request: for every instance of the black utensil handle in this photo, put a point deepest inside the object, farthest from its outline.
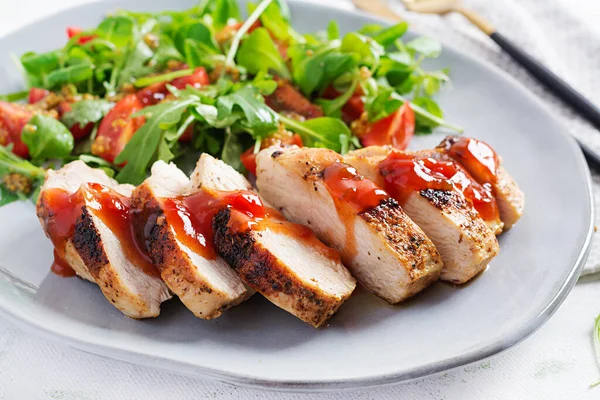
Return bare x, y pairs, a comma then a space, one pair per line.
558, 86
591, 156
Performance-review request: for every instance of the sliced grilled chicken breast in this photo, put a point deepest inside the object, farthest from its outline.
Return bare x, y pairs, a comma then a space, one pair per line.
460, 235
382, 247
93, 250
206, 286
284, 262
469, 153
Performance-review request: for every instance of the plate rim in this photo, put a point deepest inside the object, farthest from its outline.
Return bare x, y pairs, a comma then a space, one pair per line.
511, 339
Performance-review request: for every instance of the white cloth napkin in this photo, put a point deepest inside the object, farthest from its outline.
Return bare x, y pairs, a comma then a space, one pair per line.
556, 363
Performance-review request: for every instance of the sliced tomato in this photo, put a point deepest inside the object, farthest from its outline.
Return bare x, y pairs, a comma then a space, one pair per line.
186, 136
73, 31
287, 98
117, 128
196, 79
37, 94
156, 92
248, 158
397, 129
79, 132
353, 108
13, 118
153, 94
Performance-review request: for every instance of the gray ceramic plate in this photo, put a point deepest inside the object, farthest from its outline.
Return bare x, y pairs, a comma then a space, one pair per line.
368, 342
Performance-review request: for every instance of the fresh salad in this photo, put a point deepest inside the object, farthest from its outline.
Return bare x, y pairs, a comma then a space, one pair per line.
142, 87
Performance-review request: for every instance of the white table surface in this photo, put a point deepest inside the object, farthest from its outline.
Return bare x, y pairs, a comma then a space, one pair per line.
556, 362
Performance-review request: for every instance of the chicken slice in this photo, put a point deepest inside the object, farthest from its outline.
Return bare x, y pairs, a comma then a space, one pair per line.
284, 262
463, 239
381, 246
206, 286
510, 199
94, 251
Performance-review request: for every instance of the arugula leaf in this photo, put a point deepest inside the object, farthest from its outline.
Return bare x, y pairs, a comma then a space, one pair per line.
382, 105
224, 11
38, 66
388, 36
11, 163
86, 111
143, 145
197, 31
15, 96
259, 53
596, 340
232, 149
426, 46
134, 63
258, 120
93, 160
6, 196
149, 80
117, 29
45, 138
333, 30
264, 83
276, 19
370, 29
237, 38
367, 48
316, 69
71, 74
319, 132
165, 51
31, 174
330, 107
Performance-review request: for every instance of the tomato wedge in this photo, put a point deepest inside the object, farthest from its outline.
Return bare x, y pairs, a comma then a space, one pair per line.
397, 129
79, 132
248, 158
117, 128
37, 94
353, 108
13, 118
156, 92
75, 30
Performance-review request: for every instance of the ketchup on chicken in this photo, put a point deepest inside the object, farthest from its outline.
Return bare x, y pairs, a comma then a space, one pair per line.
108, 205
476, 156
407, 173
191, 216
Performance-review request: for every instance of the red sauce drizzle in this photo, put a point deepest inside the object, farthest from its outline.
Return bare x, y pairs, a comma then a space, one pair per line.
348, 188
108, 205
476, 156
406, 173
60, 267
59, 224
191, 216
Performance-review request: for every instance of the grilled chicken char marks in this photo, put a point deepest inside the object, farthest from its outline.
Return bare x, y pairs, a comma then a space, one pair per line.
282, 261
381, 246
206, 286
463, 239
252, 254
94, 251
